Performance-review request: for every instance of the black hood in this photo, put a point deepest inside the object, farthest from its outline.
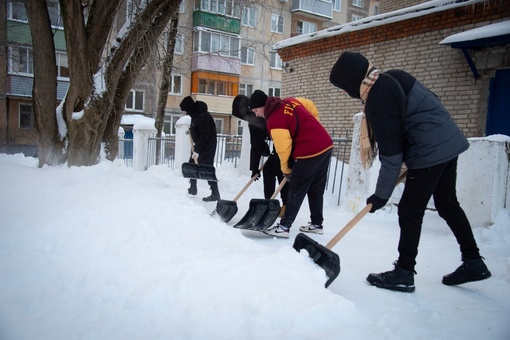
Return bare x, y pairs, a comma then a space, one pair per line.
348, 73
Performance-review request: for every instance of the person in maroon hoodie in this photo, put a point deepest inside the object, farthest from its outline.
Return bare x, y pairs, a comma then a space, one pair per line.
304, 148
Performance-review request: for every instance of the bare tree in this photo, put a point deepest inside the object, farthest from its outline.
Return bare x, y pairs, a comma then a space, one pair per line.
100, 78
165, 79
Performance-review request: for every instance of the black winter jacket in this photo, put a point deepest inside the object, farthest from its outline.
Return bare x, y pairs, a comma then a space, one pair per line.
424, 136
203, 133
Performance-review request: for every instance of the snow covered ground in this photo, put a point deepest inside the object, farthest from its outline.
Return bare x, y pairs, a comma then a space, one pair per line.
106, 252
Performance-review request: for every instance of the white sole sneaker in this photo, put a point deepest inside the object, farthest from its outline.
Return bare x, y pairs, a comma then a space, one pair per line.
310, 229
276, 231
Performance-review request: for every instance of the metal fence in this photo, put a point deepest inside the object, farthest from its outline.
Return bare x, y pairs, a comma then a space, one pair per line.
229, 150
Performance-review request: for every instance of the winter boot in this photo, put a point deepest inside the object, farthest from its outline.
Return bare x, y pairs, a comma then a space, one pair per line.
470, 270
397, 279
192, 187
215, 193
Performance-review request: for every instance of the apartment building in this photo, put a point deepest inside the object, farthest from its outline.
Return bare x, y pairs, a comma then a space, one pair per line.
224, 48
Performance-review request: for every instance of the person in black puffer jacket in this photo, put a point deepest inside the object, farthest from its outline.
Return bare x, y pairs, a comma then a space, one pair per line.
203, 134
411, 127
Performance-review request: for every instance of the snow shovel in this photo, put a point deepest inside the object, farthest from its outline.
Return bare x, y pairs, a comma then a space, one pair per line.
322, 255
227, 209
262, 213
198, 171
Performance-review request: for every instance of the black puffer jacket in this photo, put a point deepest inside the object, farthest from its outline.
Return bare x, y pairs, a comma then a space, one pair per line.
203, 133
424, 136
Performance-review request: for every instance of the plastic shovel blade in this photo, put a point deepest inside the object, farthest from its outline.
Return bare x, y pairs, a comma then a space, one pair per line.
226, 210
261, 214
324, 257
199, 171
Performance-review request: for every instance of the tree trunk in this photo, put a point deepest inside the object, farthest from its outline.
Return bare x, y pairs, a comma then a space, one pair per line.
44, 92
165, 81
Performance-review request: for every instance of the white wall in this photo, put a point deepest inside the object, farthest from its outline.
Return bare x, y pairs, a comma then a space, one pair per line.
483, 178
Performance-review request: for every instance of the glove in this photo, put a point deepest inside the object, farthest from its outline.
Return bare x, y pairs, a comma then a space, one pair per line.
255, 173
195, 156
377, 202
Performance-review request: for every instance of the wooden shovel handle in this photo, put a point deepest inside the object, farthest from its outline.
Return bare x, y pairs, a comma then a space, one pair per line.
279, 188
358, 217
249, 183
349, 226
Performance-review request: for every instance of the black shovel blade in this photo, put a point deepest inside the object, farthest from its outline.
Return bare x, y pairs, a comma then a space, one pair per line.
261, 214
325, 258
199, 171
226, 210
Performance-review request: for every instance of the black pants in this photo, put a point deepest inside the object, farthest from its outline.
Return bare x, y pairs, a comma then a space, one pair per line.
272, 172
438, 182
212, 184
308, 178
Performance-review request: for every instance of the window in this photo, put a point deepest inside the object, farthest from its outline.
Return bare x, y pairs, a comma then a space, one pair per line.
169, 123
176, 84
62, 65
16, 11
181, 7
225, 7
219, 125
274, 92
54, 12
135, 101
247, 55
214, 87
276, 23
337, 5
239, 127
21, 60
274, 60
356, 17
376, 10
26, 117
357, 3
212, 42
249, 17
246, 89
179, 44
304, 27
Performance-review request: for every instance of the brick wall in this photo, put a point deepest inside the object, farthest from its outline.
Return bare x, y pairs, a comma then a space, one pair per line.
411, 45
386, 6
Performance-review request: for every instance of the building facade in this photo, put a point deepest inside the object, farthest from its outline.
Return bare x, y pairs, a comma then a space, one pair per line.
470, 77
224, 48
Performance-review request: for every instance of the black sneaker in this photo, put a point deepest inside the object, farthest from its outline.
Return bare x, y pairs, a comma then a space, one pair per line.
192, 191
397, 279
211, 198
470, 270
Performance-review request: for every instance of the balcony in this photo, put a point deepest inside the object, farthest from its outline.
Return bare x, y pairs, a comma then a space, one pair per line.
314, 9
216, 21
215, 63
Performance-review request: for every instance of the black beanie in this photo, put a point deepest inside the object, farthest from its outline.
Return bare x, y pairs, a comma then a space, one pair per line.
348, 73
258, 99
187, 104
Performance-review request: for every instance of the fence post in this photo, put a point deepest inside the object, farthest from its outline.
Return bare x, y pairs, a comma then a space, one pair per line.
360, 182
182, 143
244, 160
120, 135
141, 134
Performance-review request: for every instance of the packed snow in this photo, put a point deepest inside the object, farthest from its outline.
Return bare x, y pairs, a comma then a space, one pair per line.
107, 252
